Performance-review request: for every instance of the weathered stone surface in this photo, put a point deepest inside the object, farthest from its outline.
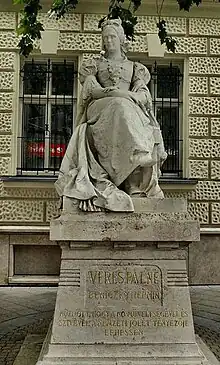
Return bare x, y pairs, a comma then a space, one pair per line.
4, 258
198, 85
36, 260
198, 126
140, 205
204, 261
71, 22
111, 295
199, 211
124, 227
123, 292
7, 20
204, 65
198, 169
21, 211
128, 303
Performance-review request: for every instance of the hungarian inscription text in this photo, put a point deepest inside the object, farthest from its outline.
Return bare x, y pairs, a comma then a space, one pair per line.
127, 284
122, 301
123, 323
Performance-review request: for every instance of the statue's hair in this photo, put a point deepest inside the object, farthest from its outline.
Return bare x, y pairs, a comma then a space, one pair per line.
116, 24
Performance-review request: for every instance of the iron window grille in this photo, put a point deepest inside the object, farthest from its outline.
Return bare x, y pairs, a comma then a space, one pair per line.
166, 90
48, 105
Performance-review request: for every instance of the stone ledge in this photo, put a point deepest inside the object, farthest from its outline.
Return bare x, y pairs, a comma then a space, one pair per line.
32, 279
114, 227
9, 229
141, 205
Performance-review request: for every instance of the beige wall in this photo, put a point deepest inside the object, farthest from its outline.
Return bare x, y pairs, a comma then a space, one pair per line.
36, 259
198, 48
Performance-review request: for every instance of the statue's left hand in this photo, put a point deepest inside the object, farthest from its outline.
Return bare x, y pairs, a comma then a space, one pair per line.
119, 93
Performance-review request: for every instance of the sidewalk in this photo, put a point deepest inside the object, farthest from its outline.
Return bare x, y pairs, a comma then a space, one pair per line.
29, 310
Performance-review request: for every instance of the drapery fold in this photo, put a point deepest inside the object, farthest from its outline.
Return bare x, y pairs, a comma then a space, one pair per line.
116, 138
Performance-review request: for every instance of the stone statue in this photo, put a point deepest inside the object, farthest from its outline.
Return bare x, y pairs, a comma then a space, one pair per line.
117, 149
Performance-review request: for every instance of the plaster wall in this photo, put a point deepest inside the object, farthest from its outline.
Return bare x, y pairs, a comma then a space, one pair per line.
198, 48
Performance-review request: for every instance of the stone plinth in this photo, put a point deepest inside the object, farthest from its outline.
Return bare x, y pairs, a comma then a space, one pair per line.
123, 293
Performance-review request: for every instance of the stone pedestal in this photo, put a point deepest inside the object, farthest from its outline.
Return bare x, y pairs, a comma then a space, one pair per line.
123, 295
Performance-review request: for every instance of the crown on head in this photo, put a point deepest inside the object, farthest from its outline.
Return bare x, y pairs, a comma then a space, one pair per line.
115, 22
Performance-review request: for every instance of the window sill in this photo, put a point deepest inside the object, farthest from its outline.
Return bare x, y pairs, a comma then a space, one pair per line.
167, 184
29, 181
180, 185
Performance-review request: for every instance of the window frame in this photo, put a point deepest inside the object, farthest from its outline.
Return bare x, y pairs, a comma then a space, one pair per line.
47, 99
160, 102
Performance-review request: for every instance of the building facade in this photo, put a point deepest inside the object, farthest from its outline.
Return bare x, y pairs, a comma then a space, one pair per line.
38, 102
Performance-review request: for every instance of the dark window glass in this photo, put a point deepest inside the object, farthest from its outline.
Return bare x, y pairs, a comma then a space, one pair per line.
61, 130
34, 120
34, 78
168, 82
168, 117
62, 79
61, 122
33, 140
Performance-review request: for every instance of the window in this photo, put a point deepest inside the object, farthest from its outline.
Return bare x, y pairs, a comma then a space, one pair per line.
166, 90
48, 106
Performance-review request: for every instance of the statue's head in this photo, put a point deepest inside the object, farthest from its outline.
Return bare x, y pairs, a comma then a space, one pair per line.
113, 36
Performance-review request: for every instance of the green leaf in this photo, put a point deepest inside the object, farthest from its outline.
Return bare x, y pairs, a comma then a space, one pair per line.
136, 4
164, 37
16, 2
61, 7
187, 4
29, 28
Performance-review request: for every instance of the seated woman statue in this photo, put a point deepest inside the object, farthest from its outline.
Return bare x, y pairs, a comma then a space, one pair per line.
117, 149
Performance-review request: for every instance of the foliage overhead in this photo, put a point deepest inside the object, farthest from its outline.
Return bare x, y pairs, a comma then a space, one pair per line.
30, 28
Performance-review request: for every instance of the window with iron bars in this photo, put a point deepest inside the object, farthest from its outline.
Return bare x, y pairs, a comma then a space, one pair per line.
166, 90
48, 106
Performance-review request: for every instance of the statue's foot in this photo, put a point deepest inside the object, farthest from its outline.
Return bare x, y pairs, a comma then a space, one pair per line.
88, 206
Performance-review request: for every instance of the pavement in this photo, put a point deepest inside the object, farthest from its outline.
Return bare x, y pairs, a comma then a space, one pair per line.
26, 312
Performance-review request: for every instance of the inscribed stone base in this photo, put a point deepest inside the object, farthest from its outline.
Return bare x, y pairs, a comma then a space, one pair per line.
123, 293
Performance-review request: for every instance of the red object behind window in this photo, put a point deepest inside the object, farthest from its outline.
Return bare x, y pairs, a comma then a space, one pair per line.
57, 150
37, 149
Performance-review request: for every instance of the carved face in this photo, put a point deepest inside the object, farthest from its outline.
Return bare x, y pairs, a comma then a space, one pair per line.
111, 40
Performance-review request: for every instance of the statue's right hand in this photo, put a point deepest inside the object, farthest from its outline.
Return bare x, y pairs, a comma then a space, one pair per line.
99, 93
109, 89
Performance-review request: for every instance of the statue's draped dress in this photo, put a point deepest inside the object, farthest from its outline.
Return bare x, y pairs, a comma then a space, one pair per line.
117, 148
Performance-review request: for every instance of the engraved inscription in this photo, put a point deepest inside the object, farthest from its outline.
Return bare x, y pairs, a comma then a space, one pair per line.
124, 295
123, 302
126, 284
123, 323
123, 277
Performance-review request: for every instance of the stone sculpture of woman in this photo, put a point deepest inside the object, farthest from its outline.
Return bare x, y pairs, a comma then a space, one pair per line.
116, 150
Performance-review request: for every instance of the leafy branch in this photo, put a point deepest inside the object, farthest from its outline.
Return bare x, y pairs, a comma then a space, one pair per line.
164, 37
30, 28
61, 7
161, 24
162, 30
